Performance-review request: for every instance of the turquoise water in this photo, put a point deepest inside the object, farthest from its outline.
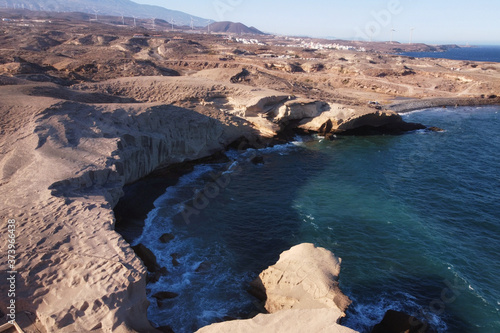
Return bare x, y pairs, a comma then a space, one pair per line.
415, 219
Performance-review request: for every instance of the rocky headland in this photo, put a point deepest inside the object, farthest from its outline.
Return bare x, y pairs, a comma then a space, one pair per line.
300, 292
87, 108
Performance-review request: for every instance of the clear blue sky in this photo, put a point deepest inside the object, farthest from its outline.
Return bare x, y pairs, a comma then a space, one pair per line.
434, 21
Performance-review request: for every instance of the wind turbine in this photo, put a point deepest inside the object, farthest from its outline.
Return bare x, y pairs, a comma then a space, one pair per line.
123, 20
411, 35
95, 12
154, 18
392, 34
135, 25
192, 23
172, 21
208, 26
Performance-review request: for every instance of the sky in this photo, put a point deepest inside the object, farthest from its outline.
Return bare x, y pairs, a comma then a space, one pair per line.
428, 21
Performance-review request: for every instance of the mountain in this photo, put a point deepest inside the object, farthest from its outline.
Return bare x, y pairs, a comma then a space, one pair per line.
109, 7
235, 28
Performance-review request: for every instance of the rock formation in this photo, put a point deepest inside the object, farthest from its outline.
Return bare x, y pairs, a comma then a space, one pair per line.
305, 277
301, 294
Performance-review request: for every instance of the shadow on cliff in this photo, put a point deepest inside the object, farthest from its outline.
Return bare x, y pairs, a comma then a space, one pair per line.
133, 140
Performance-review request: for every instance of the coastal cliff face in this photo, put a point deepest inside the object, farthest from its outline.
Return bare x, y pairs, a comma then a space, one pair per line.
67, 153
63, 166
301, 294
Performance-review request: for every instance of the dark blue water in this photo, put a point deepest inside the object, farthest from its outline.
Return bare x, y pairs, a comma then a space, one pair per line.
480, 53
415, 218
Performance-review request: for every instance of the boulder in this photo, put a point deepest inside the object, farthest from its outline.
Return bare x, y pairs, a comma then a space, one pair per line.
305, 277
163, 295
147, 257
257, 160
165, 238
163, 298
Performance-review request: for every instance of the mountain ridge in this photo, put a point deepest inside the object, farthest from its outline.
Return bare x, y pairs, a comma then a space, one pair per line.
111, 7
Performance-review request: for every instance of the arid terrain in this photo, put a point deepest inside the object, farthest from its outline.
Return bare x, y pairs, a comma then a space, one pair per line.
87, 107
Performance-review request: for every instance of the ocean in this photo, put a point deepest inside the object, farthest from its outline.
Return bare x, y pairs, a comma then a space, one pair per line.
476, 53
415, 219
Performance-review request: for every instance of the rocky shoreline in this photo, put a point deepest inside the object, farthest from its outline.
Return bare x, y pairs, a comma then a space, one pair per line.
81, 155
86, 109
119, 154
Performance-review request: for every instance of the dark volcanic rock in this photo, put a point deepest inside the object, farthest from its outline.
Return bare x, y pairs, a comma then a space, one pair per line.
165, 238
148, 258
257, 160
435, 129
162, 295
175, 256
398, 322
203, 267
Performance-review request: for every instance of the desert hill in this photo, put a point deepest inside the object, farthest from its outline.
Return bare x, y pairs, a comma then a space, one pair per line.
234, 28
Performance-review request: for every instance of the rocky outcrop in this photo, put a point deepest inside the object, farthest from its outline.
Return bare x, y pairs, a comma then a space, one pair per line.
305, 277
341, 119
301, 292
298, 109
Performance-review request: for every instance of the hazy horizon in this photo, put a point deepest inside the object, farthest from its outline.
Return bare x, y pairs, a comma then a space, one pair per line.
434, 22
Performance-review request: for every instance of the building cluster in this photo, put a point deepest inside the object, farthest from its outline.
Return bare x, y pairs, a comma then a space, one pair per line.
320, 46
245, 41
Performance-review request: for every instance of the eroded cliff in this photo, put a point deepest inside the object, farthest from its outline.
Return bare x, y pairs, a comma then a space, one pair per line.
67, 153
